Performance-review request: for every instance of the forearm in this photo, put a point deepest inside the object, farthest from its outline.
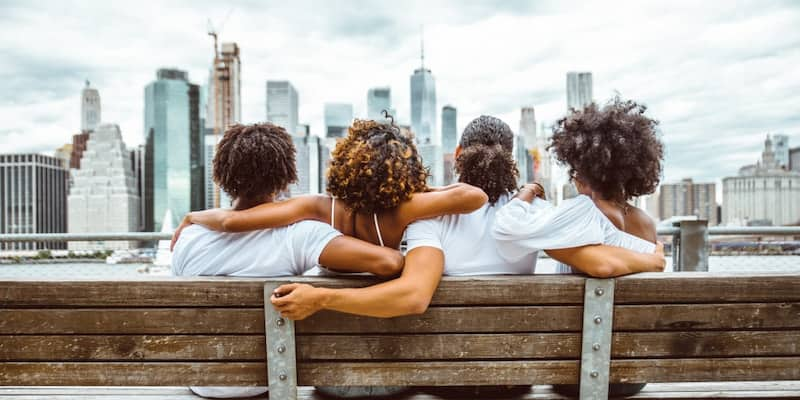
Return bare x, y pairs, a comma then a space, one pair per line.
384, 300
212, 219
607, 261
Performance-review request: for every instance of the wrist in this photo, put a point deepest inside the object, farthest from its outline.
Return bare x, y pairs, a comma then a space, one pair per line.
323, 297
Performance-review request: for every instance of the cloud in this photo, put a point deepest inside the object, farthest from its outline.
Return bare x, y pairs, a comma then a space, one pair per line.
718, 75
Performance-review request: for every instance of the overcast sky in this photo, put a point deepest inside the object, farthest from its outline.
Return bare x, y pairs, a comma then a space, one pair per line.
719, 75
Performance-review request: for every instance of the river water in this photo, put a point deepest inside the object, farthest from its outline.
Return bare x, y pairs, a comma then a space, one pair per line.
789, 263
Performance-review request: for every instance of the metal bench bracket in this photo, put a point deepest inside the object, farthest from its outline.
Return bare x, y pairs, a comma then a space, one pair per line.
281, 359
598, 317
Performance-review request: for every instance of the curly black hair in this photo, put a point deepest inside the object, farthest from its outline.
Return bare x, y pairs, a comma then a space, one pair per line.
486, 159
253, 161
375, 168
614, 149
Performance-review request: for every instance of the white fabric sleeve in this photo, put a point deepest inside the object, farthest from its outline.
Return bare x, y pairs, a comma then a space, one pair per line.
308, 239
522, 228
424, 233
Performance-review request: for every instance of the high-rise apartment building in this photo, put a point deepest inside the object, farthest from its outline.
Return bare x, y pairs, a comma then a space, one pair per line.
174, 156
687, 198
103, 196
338, 117
579, 90
224, 99
282, 105
90, 108
33, 198
781, 146
379, 99
762, 194
423, 104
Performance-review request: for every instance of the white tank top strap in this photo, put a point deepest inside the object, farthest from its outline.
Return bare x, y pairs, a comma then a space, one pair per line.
333, 212
377, 228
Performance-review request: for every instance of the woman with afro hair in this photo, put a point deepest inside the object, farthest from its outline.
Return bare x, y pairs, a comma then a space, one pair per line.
613, 155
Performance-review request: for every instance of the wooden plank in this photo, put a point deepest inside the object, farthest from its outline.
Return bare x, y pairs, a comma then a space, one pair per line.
132, 321
432, 373
706, 370
662, 317
707, 287
240, 292
396, 347
132, 374
546, 345
685, 317
132, 347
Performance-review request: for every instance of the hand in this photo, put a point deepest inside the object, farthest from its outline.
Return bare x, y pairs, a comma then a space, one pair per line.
296, 301
186, 222
659, 252
534, 188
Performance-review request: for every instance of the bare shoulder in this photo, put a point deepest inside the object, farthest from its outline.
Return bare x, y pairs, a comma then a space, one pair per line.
639, 223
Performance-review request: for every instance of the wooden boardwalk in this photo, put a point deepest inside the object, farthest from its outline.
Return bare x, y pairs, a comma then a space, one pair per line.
663, 391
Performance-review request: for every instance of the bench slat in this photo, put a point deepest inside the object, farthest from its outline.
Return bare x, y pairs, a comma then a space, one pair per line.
394, 347
547, 345
658, 317
685, 287
132, 374
528, 372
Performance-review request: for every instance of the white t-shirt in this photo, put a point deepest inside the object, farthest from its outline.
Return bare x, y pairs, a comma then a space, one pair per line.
521, 228
286, 251
467, 243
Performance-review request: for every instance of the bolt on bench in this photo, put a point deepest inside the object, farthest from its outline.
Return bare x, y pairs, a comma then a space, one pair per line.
670, 327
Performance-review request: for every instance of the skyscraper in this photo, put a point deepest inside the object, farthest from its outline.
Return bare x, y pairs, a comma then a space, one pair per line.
338, 117
64, 153
308, 166
90, 108
33, 198
432, 158
78, 146
449, 129
174, 148
379, 99
423, 104
224, 104
103, 196
579, 90
527, 129
282, 105
781, 145
794, 159
521, 157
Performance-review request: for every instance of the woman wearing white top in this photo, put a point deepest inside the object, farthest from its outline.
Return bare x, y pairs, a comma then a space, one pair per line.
613, 155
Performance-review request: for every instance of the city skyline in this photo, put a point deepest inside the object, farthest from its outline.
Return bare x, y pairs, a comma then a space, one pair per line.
722, 74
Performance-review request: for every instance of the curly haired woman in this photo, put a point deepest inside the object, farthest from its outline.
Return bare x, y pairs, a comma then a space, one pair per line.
377, 185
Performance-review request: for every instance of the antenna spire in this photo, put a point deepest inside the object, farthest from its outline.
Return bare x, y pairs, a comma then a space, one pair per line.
422, 46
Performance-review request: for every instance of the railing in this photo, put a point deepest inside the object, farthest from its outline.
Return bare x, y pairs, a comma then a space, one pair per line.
690, 239
690, 242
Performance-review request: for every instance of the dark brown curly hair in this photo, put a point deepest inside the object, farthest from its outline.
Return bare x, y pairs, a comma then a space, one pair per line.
375, 168
486, 159
253, 161
614, 149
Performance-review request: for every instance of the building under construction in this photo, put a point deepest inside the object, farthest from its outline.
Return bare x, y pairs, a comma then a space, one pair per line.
224, 101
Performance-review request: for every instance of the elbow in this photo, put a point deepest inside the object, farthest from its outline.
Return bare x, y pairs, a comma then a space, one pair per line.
418, 306
472, 197
389, 264
607, 269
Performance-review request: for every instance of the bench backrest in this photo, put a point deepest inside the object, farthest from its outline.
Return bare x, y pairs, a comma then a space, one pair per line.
479, 330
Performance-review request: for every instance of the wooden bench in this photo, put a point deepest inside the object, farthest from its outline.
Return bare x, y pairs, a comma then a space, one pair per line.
670, 327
